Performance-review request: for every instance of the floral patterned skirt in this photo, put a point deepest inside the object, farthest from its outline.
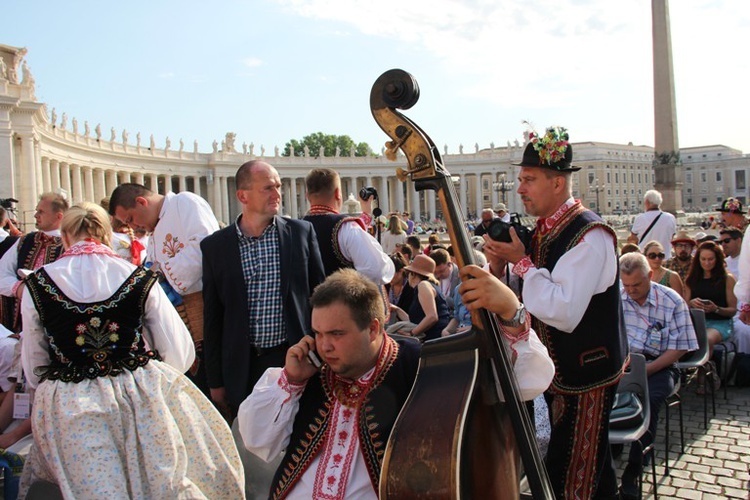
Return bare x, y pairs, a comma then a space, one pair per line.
149, 433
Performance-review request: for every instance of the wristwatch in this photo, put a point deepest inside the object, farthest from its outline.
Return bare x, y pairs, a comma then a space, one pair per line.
518, 319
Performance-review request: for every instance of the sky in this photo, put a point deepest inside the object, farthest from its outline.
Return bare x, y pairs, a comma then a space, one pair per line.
276, 70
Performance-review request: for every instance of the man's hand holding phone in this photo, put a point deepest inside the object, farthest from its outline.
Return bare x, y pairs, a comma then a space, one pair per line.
298, 366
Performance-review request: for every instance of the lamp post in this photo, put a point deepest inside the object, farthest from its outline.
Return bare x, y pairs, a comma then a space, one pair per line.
503, 186
597, 188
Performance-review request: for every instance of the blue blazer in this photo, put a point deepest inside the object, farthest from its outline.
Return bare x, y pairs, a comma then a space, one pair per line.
226, 343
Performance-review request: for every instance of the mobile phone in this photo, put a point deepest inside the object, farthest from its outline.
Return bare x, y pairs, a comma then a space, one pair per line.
312, 356
704, 301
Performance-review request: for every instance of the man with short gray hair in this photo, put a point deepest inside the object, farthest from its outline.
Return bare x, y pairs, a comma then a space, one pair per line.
658, 323
653, 224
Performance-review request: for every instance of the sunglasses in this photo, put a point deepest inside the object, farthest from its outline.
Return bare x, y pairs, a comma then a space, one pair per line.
726, 241
653, 256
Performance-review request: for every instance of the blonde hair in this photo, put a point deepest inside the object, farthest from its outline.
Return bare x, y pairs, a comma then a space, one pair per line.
87, 220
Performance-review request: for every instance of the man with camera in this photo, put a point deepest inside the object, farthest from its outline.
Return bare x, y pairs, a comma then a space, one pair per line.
343, 239
571, 289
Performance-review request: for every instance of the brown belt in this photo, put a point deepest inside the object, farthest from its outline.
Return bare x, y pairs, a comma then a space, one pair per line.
191, 312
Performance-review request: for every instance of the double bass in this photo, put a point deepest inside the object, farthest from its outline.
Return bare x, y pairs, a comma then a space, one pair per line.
463, 426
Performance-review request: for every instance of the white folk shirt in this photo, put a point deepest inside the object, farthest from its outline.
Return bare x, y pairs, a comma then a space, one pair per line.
185, 219
560, 298
359, 247
9, 266
93, 278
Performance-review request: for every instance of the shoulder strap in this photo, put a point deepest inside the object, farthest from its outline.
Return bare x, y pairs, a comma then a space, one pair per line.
649, 228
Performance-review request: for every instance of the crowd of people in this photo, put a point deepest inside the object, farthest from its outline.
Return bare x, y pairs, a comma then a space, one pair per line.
138, 331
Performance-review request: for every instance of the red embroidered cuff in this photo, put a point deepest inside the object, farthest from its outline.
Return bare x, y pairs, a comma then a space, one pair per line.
366, 218
523, 265
745, 308
291, 388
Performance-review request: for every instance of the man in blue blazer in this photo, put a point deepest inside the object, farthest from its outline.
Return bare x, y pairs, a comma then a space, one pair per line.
258, 274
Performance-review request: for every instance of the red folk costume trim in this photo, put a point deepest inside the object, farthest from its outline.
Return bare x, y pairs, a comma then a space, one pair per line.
89, 247
326, 210
581, 475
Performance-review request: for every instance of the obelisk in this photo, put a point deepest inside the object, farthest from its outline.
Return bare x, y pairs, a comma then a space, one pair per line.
667, 164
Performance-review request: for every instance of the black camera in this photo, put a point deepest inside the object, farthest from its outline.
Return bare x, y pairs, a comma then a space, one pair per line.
500, 231
368, 192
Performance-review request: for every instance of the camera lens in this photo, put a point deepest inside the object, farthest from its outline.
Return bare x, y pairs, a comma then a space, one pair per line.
499, 231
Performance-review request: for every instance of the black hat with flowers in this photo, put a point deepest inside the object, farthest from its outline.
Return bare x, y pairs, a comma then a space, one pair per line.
732, 205
551, 151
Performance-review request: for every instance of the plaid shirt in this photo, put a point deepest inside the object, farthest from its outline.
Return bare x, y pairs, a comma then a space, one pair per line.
660, 324
261, 267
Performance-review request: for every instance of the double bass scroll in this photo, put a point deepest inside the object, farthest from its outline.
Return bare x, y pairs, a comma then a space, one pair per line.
460, 432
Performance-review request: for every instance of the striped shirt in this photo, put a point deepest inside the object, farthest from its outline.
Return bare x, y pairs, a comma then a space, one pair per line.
261, 267
662, 323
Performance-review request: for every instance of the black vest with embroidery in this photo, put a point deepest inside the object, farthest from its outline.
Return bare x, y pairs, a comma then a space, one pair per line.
376, 418
96, 339
327, 229
592, 355
30, 245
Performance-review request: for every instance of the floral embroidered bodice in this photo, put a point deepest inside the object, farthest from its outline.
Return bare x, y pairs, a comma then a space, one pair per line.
95, 339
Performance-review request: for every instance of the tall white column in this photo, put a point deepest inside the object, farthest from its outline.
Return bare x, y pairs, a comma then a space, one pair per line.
215, 187
46, 173
385, 200
111, 182
462, 194
88, 184
29, 189
430, 194
124, 177
478, 193
224, 199
54, 174
77, 180
398, 189
154, 179
293, 191
182, 183
7, 166
65, 180
100, 187
416, 210
167, 182
138, 179
196, 185
284, 202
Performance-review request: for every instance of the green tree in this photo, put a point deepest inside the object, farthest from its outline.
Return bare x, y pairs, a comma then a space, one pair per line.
329, 143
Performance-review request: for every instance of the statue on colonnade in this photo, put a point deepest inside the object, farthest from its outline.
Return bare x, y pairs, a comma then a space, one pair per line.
244, 148
86, 129
75, 125
97, 130
124, 136
64, 121
152, 143
3, 70
182, 145
167, 144
229, 142
215, 146
54, 113
112, 134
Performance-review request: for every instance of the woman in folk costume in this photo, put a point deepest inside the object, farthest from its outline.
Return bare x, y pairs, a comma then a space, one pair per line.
113, 415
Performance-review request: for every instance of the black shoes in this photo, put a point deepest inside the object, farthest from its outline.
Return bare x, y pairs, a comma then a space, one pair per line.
629, 487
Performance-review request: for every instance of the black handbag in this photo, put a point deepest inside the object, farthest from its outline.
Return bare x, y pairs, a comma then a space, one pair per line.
627, 411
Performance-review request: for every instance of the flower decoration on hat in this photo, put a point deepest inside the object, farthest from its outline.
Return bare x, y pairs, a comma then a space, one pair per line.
552, 145
732, 205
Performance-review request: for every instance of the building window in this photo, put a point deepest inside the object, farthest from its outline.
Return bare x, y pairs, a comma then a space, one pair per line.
718, 176
591, 177
704, 177
617, 178
609, 177
485, 184
690, 201
739, 180
689, 178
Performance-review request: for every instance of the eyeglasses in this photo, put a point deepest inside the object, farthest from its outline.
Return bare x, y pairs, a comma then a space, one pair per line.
726, 241
653, 256
683, 245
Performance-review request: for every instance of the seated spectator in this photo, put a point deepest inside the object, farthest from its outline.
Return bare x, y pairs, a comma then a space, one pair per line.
461, 320
400, 293
682, 254
659, 326
654, 252
447, 274
428, 312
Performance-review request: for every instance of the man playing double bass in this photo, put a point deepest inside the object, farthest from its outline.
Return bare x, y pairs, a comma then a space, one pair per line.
334, 423
571, 289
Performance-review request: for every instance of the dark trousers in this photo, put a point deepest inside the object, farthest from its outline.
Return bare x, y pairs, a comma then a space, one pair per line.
578, 459
660, 386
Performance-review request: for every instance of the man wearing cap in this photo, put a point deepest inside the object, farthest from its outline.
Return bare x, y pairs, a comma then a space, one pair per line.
733, 213
653, 224
571, 288
683, 246
502, 212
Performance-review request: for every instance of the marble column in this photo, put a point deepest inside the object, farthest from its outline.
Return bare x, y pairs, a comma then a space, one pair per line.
154, 181
224, 199
65, 180
138, 179
215, 188
30, 190
398, 188
8, 166
416, 210
197, 185
430, 194
47, 173
294, 209
100, 187
77, 181
182, 183
478, 204
88, 184
462, 194
110, 183
386, 204
124, 177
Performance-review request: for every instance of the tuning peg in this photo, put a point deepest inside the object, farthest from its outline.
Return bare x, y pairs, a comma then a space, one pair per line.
402, 174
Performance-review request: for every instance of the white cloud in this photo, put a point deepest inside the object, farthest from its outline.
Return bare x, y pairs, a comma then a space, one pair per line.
252, 62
